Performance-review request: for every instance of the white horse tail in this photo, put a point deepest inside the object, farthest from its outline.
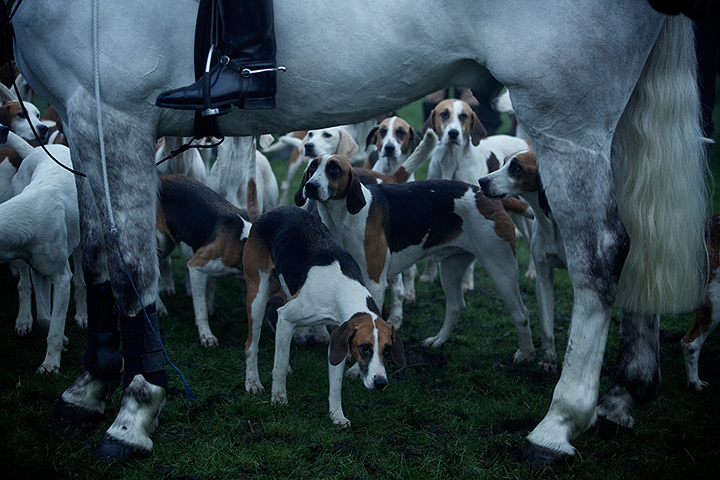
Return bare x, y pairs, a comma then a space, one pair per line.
660, 175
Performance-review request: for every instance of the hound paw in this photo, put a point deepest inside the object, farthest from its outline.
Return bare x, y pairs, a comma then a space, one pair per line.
253, 386
467, 287
162, 310
697, 386
353, 372
167, 290
81, 321
23, 327
409, 296
48, 368
342, 422
425, 278
279, 398
65, 344
434, 342
530, 275
548, 366
521, 356
209, 340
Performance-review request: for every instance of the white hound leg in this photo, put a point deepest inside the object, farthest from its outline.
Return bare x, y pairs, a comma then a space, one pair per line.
24, 320
707, 317
256, 312
546, 305
283, 336
335, 377
56, 332
451, 272
199, 280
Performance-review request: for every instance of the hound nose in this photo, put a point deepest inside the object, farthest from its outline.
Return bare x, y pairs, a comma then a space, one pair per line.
311, 190
484, 184
379, 382
389, 149
309, 150
453, 134
42, 130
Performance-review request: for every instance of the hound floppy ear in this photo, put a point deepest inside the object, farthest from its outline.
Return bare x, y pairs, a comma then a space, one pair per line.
299, 195
372, 137
478, 131
347, 146
5, 114
355, 200
415, 139
340, 342
430, 123
398, 351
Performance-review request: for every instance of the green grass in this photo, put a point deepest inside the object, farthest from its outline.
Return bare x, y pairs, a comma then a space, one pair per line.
461, 411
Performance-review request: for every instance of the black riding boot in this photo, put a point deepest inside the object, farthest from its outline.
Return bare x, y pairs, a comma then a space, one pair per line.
240, 68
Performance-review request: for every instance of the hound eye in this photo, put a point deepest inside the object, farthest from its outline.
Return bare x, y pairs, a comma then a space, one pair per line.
515, 168
366, 349
313, 166
400, 133
334, 168
462, 117
310, 134
21, 115
444, 115
382, 132
387, 351
326, 135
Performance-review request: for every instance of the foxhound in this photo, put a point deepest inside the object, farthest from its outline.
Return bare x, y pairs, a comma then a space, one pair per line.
211, 233
707, 316
44, 237
324, 286
314, 143
465, 153
394, 140
388, 228
13, 116
520, 176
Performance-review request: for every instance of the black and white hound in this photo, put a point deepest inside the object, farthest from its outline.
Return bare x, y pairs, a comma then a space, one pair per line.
324, 286
388, 228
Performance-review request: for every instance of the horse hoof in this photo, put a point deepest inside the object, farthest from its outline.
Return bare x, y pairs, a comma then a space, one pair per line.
110, 450
536, 455
605, 428
66, 414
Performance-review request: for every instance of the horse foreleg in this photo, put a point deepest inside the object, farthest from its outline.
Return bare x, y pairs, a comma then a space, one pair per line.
120, 267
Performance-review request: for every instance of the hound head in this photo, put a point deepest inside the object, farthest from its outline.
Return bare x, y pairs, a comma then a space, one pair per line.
331, 177
455, 123
518, 174
373, 342
328, 141
13, 116
393, 137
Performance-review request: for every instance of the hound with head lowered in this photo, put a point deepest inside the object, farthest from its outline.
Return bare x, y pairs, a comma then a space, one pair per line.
388, 228
324, 286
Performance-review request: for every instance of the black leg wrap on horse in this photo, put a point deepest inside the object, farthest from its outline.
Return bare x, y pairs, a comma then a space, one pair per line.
142, 348
102, 357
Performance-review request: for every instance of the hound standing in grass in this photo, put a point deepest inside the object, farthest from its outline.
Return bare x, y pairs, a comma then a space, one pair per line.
324, 286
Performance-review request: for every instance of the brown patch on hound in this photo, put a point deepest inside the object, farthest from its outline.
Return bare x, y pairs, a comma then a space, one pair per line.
257, 259
375, 243
494, 211
226, 246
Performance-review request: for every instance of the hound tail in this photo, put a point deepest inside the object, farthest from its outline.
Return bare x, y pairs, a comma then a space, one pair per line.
417, 158
19, 144
660, 176
253, 210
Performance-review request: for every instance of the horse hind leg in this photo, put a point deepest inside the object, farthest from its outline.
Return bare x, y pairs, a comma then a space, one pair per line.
638, 372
